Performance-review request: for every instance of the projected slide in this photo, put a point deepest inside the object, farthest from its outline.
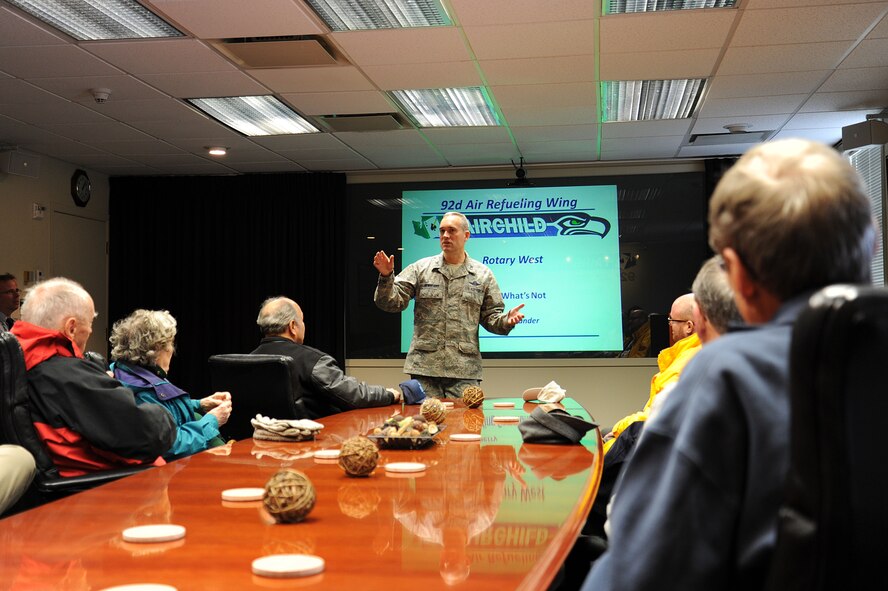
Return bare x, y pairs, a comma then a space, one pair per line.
554, 249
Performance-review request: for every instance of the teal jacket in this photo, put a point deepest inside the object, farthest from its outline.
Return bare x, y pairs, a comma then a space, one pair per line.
195, 432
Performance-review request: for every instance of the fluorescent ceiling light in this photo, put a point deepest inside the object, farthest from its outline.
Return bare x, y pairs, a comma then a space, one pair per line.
648, 100
254, 115
447, 107
105, 19
622, 6
353, 15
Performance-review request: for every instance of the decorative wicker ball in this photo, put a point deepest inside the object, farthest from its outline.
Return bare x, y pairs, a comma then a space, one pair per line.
473, 396
432, 410
473, 420
358, 456
289, 496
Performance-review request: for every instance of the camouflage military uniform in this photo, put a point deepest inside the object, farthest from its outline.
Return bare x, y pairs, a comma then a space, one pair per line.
451, 301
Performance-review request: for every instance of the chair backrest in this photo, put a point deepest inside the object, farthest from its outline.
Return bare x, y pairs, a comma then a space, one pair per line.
16, 426
259, 384
834, 518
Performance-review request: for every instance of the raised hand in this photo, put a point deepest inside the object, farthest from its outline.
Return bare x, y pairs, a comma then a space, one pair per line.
384, 264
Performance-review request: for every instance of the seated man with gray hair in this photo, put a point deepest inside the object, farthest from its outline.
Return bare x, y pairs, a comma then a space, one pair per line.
88, 420
323, 388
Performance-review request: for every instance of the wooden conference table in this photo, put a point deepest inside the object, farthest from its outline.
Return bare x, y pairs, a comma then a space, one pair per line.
490, 515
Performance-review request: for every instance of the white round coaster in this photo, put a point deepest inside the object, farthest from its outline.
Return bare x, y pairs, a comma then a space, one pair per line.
465, 437
154, 533
401, 467
243, 494
506, 419
327, 454
141, 587
288, 565
503, 405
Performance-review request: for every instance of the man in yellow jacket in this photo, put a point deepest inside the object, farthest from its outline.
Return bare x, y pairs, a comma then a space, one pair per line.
684, 344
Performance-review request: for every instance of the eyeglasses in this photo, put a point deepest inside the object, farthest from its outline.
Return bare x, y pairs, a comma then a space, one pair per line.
9, 291
670, 319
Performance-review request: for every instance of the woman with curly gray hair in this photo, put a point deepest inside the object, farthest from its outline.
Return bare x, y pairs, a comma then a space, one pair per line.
142, 348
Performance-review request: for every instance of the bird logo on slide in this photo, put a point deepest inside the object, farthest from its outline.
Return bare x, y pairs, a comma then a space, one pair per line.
574, 224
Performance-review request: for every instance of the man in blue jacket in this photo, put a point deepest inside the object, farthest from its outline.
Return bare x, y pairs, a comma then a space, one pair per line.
697, 506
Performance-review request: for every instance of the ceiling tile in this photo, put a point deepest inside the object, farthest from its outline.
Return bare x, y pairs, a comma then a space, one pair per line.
58, 112
854, 100
784, 103
19, 30
552, 70
419, 45
836, 120
828, 136
473, 154
496, 42
320, 79
632, 129
340, 103
549, 133
160, 56
546, 96
744, 85
206, 84
88, 132
661, 145
665, 31
659, 65
302, 141
702, 151
531, 116
783, 58
437, 75
814, 24
412, 157
129, 111
382, 139
50, 61
467, 135
142, 147
871, 53
857, 79
78, 88
342, 164
218, 19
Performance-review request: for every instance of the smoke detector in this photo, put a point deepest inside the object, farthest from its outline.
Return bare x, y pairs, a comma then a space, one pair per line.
101, 94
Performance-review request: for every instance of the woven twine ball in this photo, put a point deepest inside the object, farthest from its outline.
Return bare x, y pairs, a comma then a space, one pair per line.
473, 396
358, 456
289, 496
432, 410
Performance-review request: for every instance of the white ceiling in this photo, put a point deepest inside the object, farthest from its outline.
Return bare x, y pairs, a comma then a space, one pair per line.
803, 68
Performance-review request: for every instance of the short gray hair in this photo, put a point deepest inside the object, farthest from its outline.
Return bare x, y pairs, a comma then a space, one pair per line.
50, 302
141, 335
463, 219
795, 213
276, 314
714, 295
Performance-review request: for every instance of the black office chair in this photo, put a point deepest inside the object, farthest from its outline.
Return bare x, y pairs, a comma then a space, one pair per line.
259, 384
16, 427
834, 520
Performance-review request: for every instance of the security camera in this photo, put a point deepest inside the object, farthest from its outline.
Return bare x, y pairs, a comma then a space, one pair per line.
101, 94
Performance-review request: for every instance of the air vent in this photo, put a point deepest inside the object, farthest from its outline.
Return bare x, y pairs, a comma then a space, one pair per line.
725, 139
279, 52
372, 122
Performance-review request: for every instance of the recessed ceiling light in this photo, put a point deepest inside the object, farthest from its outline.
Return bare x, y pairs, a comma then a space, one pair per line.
447, 107
108, 19
624, 6
649, 100
216, 150
254, 115
353, 15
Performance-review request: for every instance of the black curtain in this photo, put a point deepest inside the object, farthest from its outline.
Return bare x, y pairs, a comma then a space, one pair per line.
211, 249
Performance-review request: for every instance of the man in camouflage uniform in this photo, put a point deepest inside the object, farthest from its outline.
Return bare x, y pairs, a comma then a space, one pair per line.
454, 294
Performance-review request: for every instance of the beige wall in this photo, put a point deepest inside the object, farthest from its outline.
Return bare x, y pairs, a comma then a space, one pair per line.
27, 244
608, 388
